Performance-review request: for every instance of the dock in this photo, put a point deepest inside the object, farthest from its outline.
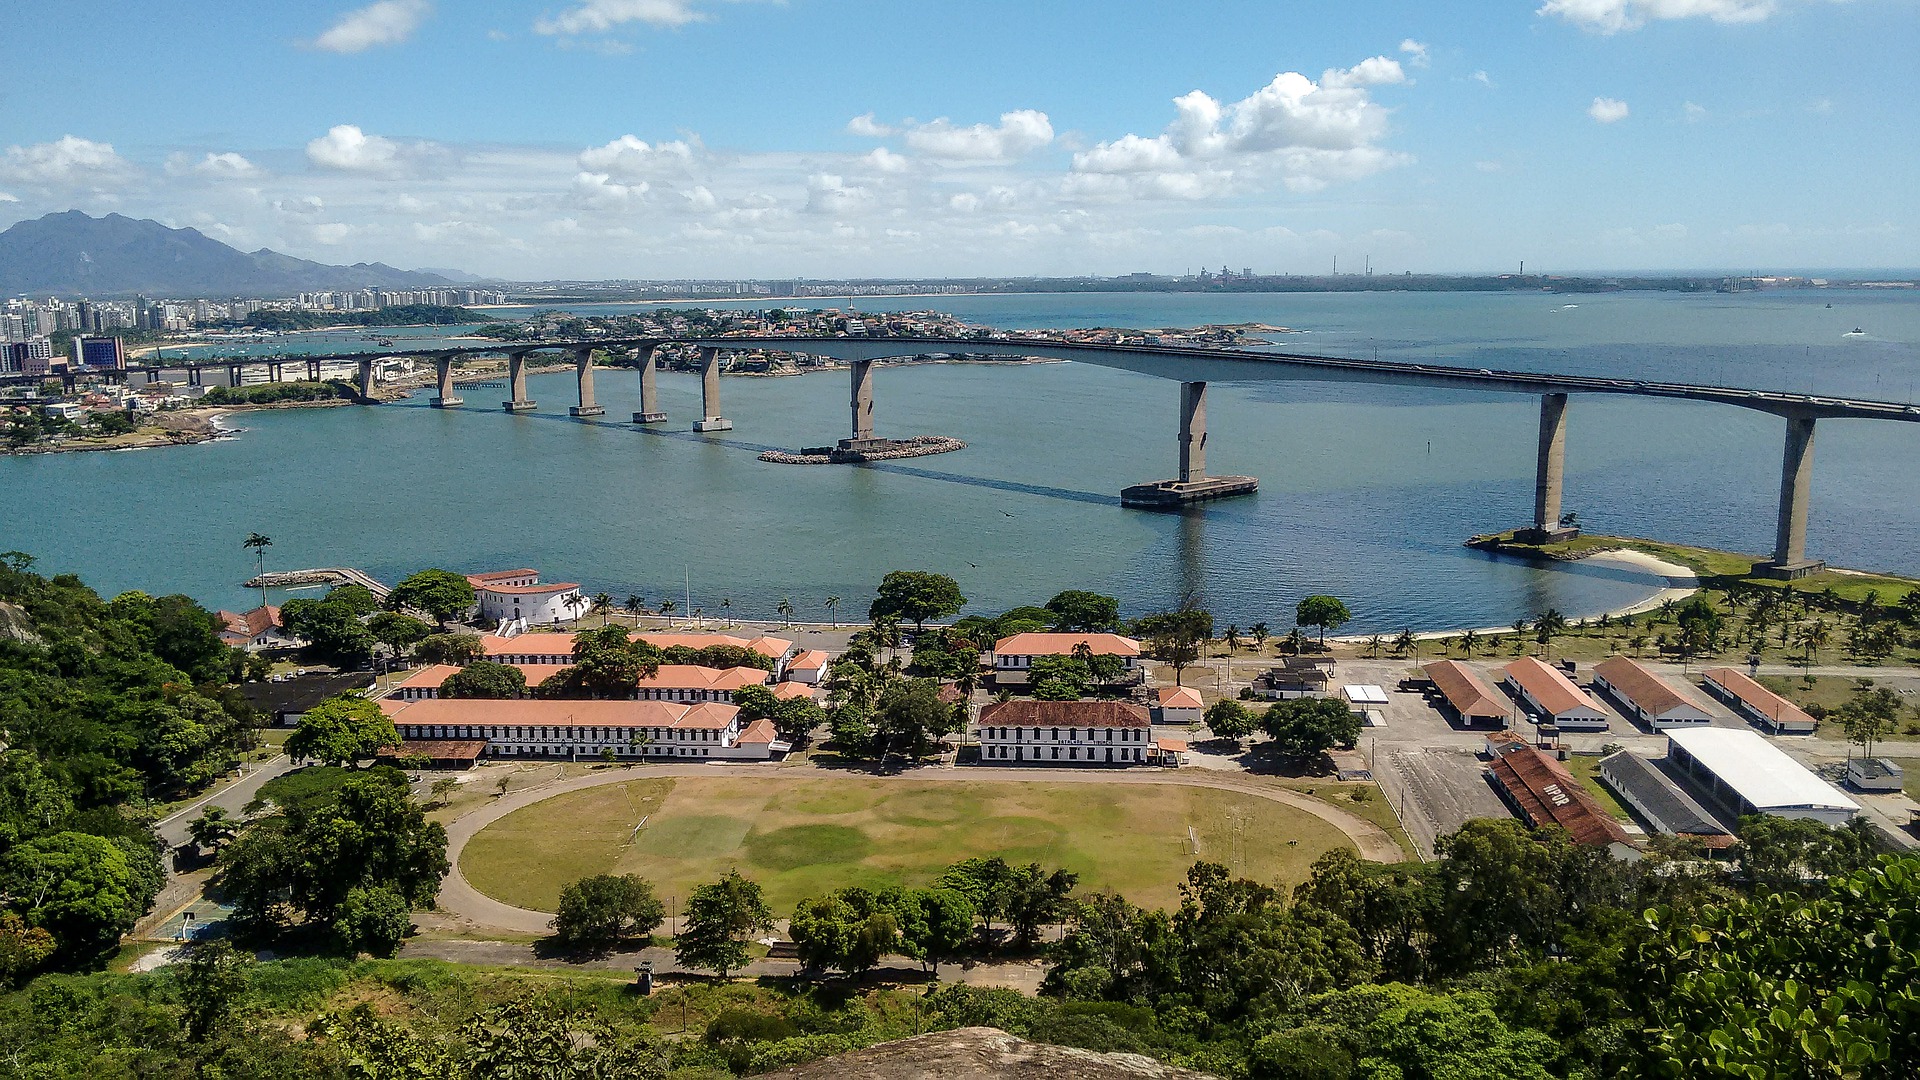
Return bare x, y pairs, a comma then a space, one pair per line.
1174, 494
326, 575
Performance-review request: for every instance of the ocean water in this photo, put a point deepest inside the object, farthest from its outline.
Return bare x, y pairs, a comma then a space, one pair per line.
1366, 493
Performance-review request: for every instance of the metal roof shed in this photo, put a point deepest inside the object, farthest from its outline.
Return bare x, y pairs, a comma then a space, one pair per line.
1754, 776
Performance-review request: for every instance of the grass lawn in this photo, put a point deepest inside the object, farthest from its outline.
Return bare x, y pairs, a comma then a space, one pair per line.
802, 837
1586, 769
1829, 692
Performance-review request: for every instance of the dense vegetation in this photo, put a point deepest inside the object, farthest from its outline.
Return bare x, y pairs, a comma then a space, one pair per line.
106, 707
275, 393
400, 315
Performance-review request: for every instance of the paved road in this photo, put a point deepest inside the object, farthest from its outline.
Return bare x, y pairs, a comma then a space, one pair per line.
179, 892
472, 909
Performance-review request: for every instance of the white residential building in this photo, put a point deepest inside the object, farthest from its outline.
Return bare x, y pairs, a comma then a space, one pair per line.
517, 595
1012, 656
1064, 733
586, 729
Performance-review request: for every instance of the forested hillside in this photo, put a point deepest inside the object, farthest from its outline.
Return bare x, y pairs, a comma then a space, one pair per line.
106, 708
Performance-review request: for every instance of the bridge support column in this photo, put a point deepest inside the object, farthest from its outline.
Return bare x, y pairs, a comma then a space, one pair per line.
364, 380
649, 389
448, 399
1549, 474
583, 371
1193, 484
313, 371
1193, 432
862, 400
710, 394
1796, 484
517, 384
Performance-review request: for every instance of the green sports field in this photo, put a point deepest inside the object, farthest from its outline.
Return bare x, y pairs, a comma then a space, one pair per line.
802, 837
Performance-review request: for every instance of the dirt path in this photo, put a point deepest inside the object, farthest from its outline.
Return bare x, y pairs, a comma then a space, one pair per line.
466, 907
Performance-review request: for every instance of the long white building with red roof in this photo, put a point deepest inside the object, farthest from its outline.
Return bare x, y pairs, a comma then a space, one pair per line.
632, 730
507, 596
1013, 655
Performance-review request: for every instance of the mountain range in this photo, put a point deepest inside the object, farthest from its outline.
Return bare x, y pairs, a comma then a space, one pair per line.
73, 254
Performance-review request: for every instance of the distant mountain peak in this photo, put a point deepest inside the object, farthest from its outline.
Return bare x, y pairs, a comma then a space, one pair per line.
71, 253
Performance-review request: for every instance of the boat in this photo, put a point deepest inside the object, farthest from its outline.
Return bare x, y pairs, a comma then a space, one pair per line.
1855, 332
386, 343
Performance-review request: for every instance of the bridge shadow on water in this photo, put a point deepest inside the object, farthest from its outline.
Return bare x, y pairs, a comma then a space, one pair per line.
756, 449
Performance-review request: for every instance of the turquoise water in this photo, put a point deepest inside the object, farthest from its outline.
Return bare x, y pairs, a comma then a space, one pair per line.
1365, 492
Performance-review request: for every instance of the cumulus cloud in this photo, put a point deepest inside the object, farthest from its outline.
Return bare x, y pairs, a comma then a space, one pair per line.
1019, 133
67, 161
1415, 51
631, 157
1614, 16
346, 148
1607, 110
598, 191
1482, 78
4, 197
600, 16
1694, 113
228, 166
1308, 133
830, 194
886, 161
867, 127
388, 22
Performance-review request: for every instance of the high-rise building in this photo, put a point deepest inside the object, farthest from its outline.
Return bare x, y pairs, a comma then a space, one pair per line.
31, 357
99, 354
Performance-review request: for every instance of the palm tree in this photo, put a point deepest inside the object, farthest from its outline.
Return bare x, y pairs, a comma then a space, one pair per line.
726, 606
1666, 610
1373, 646
575, 602
603, 607
1813, 637
634, 606
699, 616
1469, 641
833, 604
667, 608
1259, 633
785, 608
259, 542
1550, 622
1232, 638
1405, 644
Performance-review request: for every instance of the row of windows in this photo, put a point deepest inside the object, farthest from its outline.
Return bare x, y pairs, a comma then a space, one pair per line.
1019, 753
657, 751
1073, 734
458, 731
1012, 661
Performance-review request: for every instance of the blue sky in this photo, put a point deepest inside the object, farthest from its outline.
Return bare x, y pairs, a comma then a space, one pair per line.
723, 138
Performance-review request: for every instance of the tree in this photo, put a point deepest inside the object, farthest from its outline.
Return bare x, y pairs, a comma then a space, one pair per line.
1468, 642
1779, 855
1228, 719
213, 829
917, 595
1699, 626
259, 543
23, 949
785, 608
442, 594
984, 881
397, 632
486, 679
1259, 632
910, 711
1035, 897
212, 977
342, 730
634, 606
1076, 610
1870, 714
83, 890
1174, 637
1059, 678
1324, 612
603, 607
598, 913
1231, 638
373, 920
1305, 728
607, 663
849, 930
575, 603
453, 649
833, 610
331, 625
667, 608
935, 924
720, 919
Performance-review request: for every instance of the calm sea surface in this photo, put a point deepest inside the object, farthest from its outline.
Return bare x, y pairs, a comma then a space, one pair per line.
1365, 492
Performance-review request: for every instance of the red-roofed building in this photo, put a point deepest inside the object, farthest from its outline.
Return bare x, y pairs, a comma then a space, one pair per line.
255, 630
1541, 792
517, 596
1013, 655
1064, 733
575, 729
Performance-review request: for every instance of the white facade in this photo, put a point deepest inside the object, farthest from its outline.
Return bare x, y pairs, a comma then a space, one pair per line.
517, 595
587, 729
1180, 705
1012, 656
1064, 733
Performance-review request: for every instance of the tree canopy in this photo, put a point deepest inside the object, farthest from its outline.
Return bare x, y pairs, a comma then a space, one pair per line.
442, 594
1323, 612
1079, 610
342, 730
1175, 637
598, 913
916, 596
720, 919
486, 679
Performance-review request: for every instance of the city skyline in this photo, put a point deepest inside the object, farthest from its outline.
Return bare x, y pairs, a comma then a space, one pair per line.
691, 138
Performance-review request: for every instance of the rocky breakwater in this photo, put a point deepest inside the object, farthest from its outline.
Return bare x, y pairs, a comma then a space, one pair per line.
868, 450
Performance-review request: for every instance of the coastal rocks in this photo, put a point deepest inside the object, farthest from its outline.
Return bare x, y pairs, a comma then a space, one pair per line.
918, 446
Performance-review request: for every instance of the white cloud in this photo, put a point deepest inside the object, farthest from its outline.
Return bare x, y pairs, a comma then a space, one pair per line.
1614, 16
1482, 78
1607, 110
598, 191
630, 157
227, 166
309, 204
1302, 133
67, 161
1019, 133
346, 148
600, 16
4, 197
1416, 52
830, 194
1694, 113
867, 127
388, 22
886, 161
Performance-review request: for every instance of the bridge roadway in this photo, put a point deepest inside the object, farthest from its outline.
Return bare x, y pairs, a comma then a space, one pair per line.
1192, 366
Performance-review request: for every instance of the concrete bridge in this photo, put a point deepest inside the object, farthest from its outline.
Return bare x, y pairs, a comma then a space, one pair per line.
1193, 367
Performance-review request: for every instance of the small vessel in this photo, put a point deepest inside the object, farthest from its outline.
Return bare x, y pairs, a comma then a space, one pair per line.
386, 343
1855, 332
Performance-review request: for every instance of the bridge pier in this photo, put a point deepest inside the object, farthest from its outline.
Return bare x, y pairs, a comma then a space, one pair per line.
517, 383
1790, 560
443, 370
862, 400
1193, 484
583, 372
313, 371
649, 389
1549, 475
710, 393
364, 380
